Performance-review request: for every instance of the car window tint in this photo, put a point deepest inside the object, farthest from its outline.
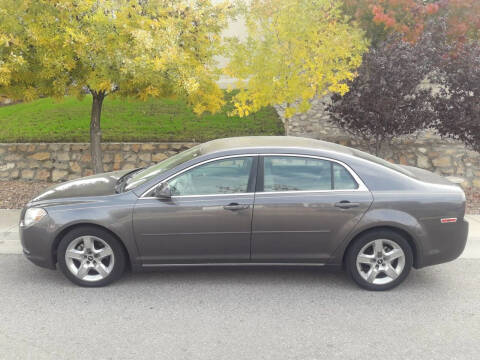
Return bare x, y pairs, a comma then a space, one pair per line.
342, 179
227, 176
288, 173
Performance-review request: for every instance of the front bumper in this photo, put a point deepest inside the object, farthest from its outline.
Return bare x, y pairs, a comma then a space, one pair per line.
37, 243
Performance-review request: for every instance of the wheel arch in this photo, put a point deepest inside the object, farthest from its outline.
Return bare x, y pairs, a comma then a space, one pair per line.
405, 234
71, 227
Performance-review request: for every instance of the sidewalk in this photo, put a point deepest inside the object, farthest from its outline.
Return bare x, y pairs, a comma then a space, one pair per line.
10, 240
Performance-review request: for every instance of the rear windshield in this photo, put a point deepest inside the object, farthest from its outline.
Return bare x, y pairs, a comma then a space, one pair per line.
379, 161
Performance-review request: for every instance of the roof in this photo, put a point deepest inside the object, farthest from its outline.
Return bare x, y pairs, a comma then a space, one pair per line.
248, 142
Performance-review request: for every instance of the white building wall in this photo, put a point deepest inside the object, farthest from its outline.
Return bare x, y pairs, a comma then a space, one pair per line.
235, 28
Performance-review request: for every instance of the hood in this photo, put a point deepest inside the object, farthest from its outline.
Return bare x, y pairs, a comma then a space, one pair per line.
95, 185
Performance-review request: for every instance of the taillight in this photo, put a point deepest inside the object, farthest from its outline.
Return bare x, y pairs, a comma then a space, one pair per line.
448, 220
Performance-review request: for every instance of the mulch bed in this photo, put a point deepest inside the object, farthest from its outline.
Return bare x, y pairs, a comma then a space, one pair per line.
15, 194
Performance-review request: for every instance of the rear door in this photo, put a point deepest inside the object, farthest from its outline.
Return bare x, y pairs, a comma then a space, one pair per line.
304, 207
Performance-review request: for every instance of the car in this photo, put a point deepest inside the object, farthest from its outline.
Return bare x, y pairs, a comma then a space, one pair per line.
256, 201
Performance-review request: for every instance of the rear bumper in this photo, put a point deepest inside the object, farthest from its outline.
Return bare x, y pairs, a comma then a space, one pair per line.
37, 245
445, 244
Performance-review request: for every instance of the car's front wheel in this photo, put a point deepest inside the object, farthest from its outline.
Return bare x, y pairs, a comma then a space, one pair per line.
379, 260
89, 256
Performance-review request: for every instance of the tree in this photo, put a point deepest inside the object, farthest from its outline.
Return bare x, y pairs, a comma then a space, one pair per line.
386, 99
457, 104
463, 19
380, 18
136, 48
295, 50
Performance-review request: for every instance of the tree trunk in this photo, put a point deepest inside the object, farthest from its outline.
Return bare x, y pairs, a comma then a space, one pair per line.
287, 126
286, 121
377, 144
95, 132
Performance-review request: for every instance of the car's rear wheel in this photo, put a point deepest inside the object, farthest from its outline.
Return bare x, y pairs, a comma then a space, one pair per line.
379, 260
89, 256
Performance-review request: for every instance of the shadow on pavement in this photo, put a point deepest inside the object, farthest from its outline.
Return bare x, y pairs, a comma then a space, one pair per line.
240, 276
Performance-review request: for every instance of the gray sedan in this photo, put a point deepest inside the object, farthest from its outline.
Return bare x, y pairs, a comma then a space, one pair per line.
250, 201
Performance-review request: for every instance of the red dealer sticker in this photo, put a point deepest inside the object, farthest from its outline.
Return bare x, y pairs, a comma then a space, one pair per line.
448, 220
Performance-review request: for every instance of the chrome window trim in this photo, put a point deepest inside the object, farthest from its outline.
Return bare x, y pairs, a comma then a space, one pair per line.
194, 166
206, 195
361, 186
293, 192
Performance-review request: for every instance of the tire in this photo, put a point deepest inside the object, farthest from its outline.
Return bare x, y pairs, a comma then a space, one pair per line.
95, 257
379, 260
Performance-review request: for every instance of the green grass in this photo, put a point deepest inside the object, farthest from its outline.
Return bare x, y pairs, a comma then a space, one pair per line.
46, 120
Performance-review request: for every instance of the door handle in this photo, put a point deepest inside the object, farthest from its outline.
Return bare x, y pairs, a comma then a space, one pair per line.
235, 206
345, 204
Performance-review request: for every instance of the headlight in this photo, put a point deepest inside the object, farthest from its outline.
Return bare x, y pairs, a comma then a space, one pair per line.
33, 215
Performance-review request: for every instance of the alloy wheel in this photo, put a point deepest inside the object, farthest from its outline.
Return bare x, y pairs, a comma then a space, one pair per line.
380, 261
89, 258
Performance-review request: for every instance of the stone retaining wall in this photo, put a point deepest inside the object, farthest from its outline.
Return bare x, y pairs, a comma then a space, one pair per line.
59, 162
425, 150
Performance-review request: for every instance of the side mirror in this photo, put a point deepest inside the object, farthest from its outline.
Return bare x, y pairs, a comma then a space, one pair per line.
162, 191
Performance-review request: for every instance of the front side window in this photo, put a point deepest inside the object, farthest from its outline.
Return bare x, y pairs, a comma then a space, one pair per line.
290, 173
226, 176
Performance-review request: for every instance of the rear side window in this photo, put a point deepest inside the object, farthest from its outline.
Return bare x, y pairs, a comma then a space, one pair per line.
290, 173
342, 179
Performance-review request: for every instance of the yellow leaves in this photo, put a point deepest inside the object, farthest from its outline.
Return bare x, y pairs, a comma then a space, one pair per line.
199, 108
69, 64
308, 92
240, 110
30, 94
296, 50
159, 63
290, 111
191, 85
242, 103
143, 38
207, 98
149, 91
104, 85
304, 105
4, 75
75, 36
349, 75
4, 40
340, 88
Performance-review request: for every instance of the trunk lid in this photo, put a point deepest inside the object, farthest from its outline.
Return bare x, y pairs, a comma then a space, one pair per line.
428, 176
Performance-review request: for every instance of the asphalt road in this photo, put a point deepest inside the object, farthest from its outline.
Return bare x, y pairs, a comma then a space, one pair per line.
239, 313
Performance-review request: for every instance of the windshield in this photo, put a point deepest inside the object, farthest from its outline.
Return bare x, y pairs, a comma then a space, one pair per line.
167, 164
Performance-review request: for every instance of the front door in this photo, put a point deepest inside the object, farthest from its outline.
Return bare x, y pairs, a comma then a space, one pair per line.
208, 218
304, 208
